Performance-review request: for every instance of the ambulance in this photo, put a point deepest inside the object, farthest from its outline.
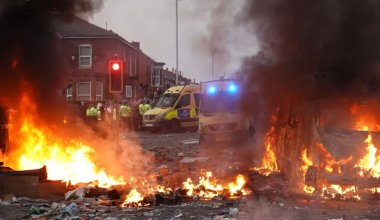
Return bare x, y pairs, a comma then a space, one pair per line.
221, 118
176, 109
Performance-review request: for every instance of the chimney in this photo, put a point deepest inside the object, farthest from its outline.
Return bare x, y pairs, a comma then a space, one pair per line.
136, 45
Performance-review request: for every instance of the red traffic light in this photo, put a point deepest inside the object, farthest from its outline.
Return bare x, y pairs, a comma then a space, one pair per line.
115, 66
115, 76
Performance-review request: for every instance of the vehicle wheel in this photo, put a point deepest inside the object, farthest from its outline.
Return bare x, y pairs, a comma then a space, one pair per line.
174, 126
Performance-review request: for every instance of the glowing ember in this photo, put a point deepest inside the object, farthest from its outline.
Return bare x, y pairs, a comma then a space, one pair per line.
375, 190
69, 161
370, 163
308, 189
134, 198
162, 189
348, 192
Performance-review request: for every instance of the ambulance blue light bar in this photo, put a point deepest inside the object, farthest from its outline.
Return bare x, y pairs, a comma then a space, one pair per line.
211, 89
232, 88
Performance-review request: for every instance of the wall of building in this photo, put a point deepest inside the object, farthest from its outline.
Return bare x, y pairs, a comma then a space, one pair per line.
103, 50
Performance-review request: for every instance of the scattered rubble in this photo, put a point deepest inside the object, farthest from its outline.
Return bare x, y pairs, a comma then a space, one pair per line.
272, 196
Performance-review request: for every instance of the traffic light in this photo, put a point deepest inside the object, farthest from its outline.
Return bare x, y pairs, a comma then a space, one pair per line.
116, 76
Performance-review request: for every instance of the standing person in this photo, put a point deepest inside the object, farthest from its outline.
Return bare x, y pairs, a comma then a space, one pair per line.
124, 112
143, 107
135, 116
100, 111
91, 114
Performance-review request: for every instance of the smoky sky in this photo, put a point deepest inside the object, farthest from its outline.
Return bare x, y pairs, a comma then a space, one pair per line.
312, 49
30, 59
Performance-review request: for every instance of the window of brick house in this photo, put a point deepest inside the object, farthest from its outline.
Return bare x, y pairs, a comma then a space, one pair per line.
128, 92
84, 91
69, 93
99, 91
156, 77
85, 55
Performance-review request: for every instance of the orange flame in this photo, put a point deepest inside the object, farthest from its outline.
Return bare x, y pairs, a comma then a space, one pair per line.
347, 192
209, 188
134, 198
329, 163
370, 163
237, 186
69, 161
269, 160
306, 162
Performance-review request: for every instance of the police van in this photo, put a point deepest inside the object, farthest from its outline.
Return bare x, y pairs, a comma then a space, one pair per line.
176, 109
221, 118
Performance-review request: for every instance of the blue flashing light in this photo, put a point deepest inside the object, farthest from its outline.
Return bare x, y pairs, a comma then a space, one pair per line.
232, 88
211, 89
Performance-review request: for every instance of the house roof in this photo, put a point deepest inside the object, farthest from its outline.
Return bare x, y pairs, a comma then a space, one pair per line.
77, 27
172, 76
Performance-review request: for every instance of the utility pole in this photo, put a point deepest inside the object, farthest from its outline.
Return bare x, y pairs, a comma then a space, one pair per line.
212, 65
176, 30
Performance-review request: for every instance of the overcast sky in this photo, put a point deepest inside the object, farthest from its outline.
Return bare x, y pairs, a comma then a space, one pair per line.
204, 26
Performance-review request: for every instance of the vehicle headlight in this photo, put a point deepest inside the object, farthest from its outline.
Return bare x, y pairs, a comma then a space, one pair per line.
160, 117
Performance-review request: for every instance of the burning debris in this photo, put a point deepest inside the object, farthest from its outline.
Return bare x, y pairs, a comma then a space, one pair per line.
208, 187
342, 179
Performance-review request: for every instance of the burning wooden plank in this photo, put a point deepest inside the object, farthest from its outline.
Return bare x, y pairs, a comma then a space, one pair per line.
40, 173
30, 183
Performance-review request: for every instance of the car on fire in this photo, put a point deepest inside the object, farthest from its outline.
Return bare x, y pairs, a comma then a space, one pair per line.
345, 158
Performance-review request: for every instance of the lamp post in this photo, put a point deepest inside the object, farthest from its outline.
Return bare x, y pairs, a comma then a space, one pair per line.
176, 30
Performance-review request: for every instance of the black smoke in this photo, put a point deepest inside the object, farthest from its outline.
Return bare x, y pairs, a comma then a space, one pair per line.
30, 59
311, 50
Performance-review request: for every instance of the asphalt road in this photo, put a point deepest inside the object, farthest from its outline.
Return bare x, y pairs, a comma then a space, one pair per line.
168, 150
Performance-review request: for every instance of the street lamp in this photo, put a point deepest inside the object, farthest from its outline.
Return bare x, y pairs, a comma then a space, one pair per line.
176, 30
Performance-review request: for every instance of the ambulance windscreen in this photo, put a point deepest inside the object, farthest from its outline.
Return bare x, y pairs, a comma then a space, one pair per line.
220, 102
167, 100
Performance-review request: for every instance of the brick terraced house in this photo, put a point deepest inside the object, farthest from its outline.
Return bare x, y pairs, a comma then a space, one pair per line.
87, 50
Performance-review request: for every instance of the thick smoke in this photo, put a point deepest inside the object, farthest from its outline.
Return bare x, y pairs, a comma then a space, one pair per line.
31, 61
310, 50
30, 58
